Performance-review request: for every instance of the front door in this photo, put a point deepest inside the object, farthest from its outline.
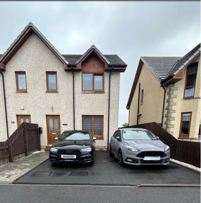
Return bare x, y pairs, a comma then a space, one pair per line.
53, 128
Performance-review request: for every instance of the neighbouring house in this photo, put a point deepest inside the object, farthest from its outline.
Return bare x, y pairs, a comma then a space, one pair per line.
167, 90
58, 92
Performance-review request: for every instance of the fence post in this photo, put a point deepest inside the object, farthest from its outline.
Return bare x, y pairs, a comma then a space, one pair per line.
10, 155
38, 137
25, 139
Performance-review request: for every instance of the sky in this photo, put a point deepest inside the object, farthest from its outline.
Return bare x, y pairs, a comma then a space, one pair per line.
129, 29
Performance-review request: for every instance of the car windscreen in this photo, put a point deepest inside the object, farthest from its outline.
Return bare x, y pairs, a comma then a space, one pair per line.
138, 135
75, 136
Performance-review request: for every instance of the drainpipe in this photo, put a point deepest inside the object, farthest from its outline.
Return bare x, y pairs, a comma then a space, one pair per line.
73, 100
138, 104
5, 104
108, 121
163, 110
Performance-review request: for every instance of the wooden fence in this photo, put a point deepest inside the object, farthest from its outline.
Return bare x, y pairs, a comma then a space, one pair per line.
182, 150
24, 140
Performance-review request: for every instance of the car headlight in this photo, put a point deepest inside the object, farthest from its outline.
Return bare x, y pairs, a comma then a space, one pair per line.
87, 149
132, 149
167, 148
52, 149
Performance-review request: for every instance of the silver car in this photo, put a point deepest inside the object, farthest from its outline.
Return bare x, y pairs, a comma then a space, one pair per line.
137, 146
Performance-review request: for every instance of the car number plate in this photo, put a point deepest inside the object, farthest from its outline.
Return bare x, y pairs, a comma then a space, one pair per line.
151, 158
68, 156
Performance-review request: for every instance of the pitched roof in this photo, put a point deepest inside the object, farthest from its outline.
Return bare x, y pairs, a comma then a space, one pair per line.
115, 61
27, 31
89, 51
160, 66
184, 60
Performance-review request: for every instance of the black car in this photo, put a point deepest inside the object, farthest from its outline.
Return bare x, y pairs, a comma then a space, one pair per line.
73, 146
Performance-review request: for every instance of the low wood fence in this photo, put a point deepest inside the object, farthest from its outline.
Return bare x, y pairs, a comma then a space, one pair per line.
181, 150
24, 140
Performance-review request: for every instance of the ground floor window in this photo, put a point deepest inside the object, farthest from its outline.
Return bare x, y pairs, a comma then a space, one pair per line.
185, 124
23, 119
93, 124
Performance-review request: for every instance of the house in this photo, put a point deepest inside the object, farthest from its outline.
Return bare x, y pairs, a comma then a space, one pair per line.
167, 90
58, 92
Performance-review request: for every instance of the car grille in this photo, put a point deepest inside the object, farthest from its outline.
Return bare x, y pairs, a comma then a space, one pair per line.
69, 151
151, 153
151, 162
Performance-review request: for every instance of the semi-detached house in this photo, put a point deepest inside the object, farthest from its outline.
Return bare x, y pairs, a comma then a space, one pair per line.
58, 92
167, 90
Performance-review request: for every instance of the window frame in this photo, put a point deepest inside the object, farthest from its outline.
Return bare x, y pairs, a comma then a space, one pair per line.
22, 115
187, 70
93, 83
181, 136
98, 137
18, 90
47, 82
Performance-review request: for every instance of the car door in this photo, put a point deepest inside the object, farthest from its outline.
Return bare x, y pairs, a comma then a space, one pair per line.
116, 142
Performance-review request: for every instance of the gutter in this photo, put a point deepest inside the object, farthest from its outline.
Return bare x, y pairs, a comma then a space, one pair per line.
138, 104
108, 121
5, 104
163, 110
73, 100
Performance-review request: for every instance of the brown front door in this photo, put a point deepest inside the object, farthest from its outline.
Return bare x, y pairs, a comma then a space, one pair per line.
53, 128
23, 119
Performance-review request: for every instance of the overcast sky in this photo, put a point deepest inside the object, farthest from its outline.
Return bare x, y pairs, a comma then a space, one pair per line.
129, 29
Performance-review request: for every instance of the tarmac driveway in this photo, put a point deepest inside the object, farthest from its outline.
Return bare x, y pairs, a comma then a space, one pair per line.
106, 171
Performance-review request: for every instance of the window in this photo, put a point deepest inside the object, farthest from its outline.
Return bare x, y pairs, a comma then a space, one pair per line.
190, 80
92, 82
21, 85
51, 78
93, 124
98, 82
23, 119
142, 96
87, 81
185, 125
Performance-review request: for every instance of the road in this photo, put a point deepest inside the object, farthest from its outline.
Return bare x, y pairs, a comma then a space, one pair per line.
86, 194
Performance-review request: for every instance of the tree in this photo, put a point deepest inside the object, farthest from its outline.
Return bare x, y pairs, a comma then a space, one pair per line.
125, 125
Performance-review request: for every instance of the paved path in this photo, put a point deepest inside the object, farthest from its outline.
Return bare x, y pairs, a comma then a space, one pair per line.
97, 194
106, 171
12, 170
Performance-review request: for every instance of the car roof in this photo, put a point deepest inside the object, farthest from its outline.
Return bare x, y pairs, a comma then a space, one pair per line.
143, 129
71, 131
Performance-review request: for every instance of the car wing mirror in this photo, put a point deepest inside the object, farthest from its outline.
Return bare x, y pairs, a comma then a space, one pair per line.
157, 138
118, 138
94, 139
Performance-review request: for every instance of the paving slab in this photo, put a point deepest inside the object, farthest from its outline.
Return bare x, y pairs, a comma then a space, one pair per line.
12, 170
106, 171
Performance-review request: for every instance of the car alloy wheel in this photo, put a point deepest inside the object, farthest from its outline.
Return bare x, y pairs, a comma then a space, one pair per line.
111, 153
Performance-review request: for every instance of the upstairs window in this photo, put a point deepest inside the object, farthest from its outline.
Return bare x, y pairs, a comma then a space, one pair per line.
51, 78
190, 80
21, 85
87, 82
92, 82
